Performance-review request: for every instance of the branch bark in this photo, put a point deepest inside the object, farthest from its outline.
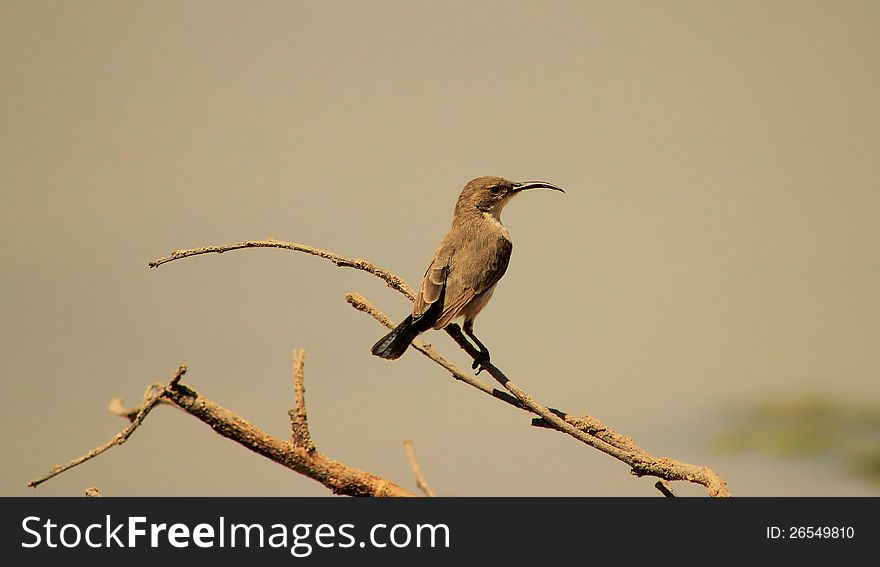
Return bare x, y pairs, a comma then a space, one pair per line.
153, 396
392, 280
338, 477
298, 454
299, 421
421, 482
586, 429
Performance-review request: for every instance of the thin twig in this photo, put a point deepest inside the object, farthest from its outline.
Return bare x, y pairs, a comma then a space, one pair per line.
392, 280
417, 470
338, 477
664, 488
361, 303
117, 405
151, 399
299, 421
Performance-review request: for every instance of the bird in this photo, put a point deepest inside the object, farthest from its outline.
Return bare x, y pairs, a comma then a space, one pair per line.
466, 267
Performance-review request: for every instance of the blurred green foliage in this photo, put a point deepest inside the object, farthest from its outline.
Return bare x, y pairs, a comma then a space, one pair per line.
815, 426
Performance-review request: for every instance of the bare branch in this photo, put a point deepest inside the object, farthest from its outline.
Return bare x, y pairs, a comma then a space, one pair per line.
361, 303
417, 470
117, 405
586, 429
641, 462
299, 421
338, 477
592, 426
151, 399
392, 280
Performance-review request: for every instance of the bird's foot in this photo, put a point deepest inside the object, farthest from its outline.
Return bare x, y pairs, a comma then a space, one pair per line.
480, 360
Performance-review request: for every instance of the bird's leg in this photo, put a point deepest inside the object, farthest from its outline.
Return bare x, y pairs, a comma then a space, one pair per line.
483, 356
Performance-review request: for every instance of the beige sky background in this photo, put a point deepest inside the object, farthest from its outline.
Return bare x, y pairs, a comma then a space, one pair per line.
717, 244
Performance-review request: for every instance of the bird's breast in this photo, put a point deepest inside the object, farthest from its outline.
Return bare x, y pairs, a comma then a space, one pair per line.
493, 221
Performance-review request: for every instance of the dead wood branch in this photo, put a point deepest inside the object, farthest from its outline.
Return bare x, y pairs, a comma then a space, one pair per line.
586, 429
298, 455
152, 398
299, 421
392, 280
421, 482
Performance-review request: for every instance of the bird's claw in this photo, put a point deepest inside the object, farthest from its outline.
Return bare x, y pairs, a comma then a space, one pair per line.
479, 361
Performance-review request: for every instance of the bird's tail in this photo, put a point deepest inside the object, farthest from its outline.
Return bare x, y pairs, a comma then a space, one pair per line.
394, 344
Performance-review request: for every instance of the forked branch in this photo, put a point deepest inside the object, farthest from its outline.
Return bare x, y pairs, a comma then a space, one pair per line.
299, 454
154, 394
586, 429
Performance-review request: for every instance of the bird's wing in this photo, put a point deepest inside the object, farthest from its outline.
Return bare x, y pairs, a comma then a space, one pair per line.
466, 282
494, 268
454, 308
453, 289
433, 284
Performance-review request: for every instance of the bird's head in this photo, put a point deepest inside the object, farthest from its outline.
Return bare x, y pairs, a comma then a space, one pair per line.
490, 194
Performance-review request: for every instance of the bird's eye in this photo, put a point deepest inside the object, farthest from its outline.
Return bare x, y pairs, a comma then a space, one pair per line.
495, 189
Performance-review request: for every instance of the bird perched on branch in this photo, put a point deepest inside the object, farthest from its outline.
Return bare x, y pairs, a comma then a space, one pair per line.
466, 267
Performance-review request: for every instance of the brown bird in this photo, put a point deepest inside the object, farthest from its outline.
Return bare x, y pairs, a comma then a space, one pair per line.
466, 267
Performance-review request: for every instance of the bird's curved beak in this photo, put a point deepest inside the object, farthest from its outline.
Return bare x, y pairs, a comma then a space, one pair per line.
535, 185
